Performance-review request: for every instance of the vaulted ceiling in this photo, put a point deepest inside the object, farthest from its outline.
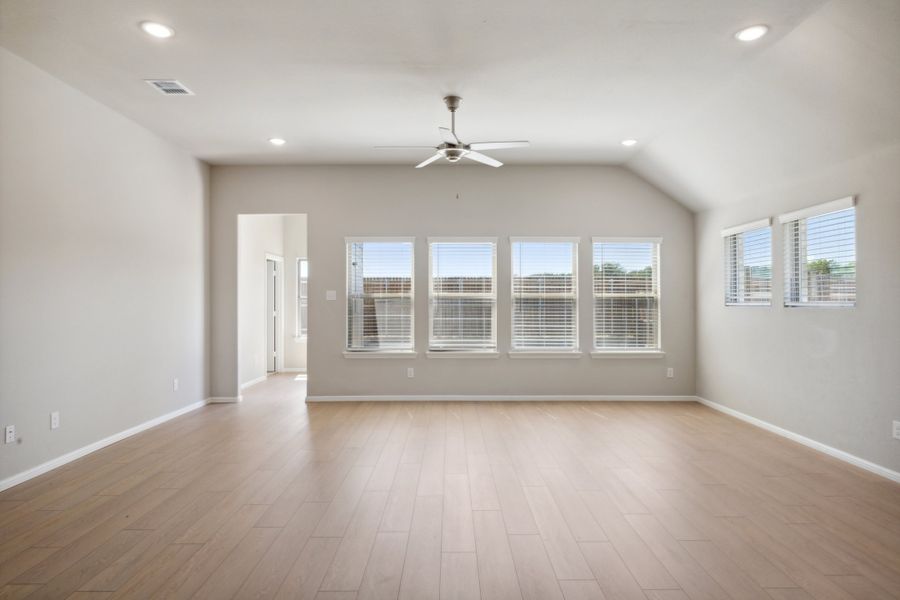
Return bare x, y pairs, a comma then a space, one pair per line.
716, 119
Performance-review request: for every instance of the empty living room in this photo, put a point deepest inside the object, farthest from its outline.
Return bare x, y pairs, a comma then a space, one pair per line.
482, 299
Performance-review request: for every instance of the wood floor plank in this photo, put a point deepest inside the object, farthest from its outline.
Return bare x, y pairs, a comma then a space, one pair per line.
384, 568
341, 509
496, 567
422, 568
581, 522
349, 564
566, 558
581, 590
459, 576
537, 579
458, 534
513, 503
230, 575
276, 563
646, 568
401, 501
303, 580
615, 580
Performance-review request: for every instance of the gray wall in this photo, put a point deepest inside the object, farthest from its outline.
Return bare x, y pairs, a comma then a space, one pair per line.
258, 235
830, 374
102, 269
346, 201
294, 248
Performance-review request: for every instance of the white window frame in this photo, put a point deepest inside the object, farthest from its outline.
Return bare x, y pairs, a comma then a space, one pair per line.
462, 353
805, 213
379, 353
574, 352
727, 233
657, 352
298, 324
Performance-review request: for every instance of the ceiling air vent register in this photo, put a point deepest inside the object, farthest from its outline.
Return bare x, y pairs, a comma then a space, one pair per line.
169, 87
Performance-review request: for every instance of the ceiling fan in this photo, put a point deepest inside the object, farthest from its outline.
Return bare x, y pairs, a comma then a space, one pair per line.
453, 149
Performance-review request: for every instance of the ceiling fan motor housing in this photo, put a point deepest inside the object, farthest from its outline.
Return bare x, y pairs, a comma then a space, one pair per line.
453, 154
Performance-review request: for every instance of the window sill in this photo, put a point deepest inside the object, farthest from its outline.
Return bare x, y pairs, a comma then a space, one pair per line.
462, 354
820, 305
545, 354
299, 338
753, 304
380, 354
634, 354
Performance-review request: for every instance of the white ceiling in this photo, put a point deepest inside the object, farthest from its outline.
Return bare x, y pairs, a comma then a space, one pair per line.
335, 77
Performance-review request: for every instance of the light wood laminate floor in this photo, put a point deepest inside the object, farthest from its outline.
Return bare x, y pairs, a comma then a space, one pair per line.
274, 498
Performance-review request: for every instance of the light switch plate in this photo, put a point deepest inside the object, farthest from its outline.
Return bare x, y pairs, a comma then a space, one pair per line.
331, 294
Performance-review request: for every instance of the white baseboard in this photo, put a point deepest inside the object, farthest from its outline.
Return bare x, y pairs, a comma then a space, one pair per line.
501, 398
260, 379
796, 437
292, 370
224, 399
85, 450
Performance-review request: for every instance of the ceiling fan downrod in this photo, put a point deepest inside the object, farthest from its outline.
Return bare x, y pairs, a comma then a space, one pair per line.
452, 103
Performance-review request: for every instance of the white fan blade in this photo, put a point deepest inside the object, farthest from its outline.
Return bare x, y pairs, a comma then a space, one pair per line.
487, 160
448, 136
404, 147
428, 161
498, 145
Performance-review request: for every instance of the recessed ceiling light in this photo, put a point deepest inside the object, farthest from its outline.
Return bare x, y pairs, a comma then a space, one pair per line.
277, 141
629, 142
753, 33
157, 30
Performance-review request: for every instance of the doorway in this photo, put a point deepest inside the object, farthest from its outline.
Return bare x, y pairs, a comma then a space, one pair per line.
273, 298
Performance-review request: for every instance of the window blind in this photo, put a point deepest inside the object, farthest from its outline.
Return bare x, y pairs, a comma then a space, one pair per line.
626, 295
544, 295
302, 296
380, 295
463, 295
748, 267
820, 259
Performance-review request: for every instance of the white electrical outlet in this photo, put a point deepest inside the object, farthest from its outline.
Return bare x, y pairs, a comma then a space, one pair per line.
175, 385
670, 372
54, 420
410, 372
897, 430
10, 434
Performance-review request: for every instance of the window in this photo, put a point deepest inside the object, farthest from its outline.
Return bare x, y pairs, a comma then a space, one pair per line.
380, 294
820, 255
626, 295
302, 296
748, 264
544, 294
463, 294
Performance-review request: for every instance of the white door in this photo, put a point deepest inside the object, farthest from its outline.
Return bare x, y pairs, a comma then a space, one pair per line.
271, 315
